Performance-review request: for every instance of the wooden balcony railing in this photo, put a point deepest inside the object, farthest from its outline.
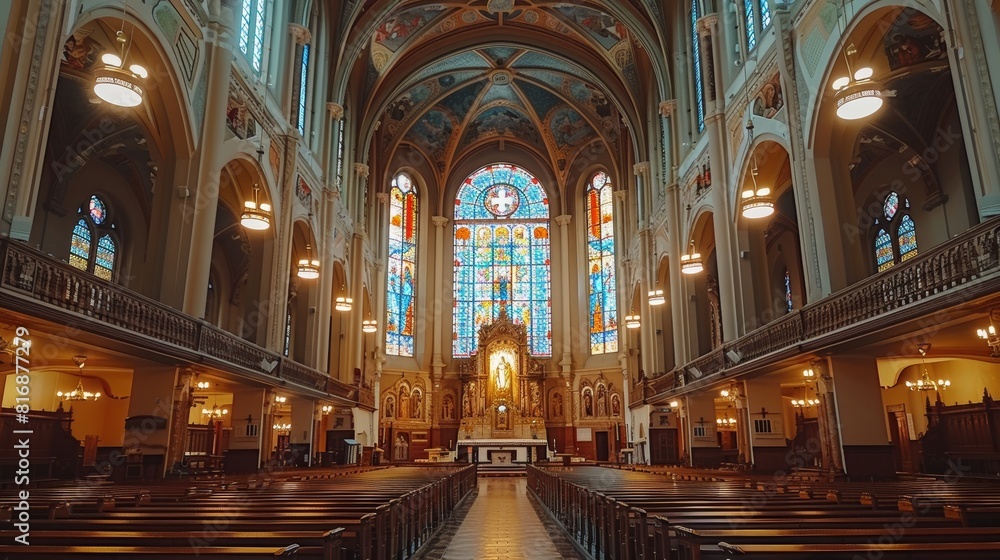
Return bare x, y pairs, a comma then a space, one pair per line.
896, 294
39, 285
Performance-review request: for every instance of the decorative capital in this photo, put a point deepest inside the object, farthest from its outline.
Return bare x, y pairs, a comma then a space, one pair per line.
382, 197
336, 111
439, 221
620, 195
667, 108
300, 33
563, 220
361, 170
641, 169
708, 24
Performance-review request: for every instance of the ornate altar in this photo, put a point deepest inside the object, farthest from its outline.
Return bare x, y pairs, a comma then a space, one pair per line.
502, 386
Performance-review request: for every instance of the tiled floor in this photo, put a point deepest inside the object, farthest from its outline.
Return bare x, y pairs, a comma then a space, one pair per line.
502, 523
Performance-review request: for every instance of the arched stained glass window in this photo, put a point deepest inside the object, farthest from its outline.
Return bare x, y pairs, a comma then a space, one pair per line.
79, 248
907, 236
98, 258
896, 238
251, 39
751, 26
765, 14
104, 261
601, 265
699, 96
402, 267
303, 80
502, 256
883, 250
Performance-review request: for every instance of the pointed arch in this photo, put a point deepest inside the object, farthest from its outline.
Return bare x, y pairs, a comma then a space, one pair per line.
603, 305
401, 268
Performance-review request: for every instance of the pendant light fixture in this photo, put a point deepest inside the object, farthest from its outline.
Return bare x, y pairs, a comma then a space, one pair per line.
691, 262
256, 215
858, 95
343, 302
632, 321
114, 82
369, 325
756, 203
656, 297
308, 268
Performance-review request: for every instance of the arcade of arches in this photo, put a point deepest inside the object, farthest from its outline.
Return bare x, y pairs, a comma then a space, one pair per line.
501, 232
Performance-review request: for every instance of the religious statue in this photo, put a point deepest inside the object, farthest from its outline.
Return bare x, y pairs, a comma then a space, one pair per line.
404, 403
557, 402
448, 408
389, 407
536, 404
402, 448
588, 404
602, 402
616, 406
417, 403
503, 374
466, 404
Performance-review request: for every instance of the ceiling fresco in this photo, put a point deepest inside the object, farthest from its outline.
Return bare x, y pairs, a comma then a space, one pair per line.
554, 77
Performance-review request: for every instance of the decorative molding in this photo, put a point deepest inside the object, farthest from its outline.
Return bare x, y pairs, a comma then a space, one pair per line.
382, 197
641, 169
336, 111
707, 24
439, 221
564, 220
668, 108
300, 33
361, 170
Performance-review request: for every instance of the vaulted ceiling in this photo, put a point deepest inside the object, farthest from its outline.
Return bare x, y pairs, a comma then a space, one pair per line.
558, 79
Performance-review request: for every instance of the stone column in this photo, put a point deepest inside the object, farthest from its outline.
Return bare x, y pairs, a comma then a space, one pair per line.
246, 444
302, 419
647, 340
353, 356
181, 409
206, 192
829, 424
438, 297
715, 123
863, 436
566, 362
301, 36
155, 396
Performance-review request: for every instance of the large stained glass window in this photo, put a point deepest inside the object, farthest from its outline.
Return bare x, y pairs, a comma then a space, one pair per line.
84, 254
601, 265
502, 256
896, 238
251, 39
750, 25
402, 267
699, 97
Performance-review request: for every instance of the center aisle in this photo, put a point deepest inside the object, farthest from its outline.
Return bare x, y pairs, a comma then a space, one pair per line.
504, 524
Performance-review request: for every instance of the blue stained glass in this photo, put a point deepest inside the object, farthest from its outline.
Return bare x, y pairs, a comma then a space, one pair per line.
79, 248
303, 78
891, 205
246, 14
907, 234
601, 266
402, 267
104, 263
788, 292
765, 14
258, 36
883, 250
502, 256
699, 96
751, 28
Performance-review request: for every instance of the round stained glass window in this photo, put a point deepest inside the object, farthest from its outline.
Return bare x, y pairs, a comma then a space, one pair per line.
891, 205
600, 179
98, 211
501, 200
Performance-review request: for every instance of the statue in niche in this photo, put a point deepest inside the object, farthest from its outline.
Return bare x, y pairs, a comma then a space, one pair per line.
466, 404
389, 407
602, 402
404, 403
502, 419
536, 404
402, 448
503, 374
557, 405
417, 403
588, 404
616, 406
448, 408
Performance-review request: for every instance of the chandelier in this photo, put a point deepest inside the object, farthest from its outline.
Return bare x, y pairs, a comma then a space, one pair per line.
256, 215
78, 394
925, 383
215, 413
327, 409
756, 202
369, 325
116, 84
804, 402
726, 422
308, 268
632, 321
691, 262
282, 428
656, 297
989, 334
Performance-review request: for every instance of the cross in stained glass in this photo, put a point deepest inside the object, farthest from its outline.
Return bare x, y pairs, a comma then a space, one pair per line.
501, 201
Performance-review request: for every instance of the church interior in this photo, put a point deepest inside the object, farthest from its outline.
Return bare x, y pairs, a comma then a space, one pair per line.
324, 278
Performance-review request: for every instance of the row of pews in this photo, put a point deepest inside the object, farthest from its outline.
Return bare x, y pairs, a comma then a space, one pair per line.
373, 513
624, 514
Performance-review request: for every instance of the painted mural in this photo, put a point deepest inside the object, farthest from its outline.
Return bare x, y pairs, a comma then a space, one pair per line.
569, 128
239, 120
502, 121
81, 51
600, 26
769, 99
913, 38
397, 30
432, 133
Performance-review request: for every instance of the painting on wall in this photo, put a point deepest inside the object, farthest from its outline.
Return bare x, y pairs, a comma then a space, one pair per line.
395, 30
501, 121
81, 52
769, 99
432, 132
913, 38
603, 28
568, 127
239, 121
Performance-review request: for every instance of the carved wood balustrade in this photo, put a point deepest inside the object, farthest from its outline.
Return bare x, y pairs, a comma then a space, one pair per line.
38, 285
